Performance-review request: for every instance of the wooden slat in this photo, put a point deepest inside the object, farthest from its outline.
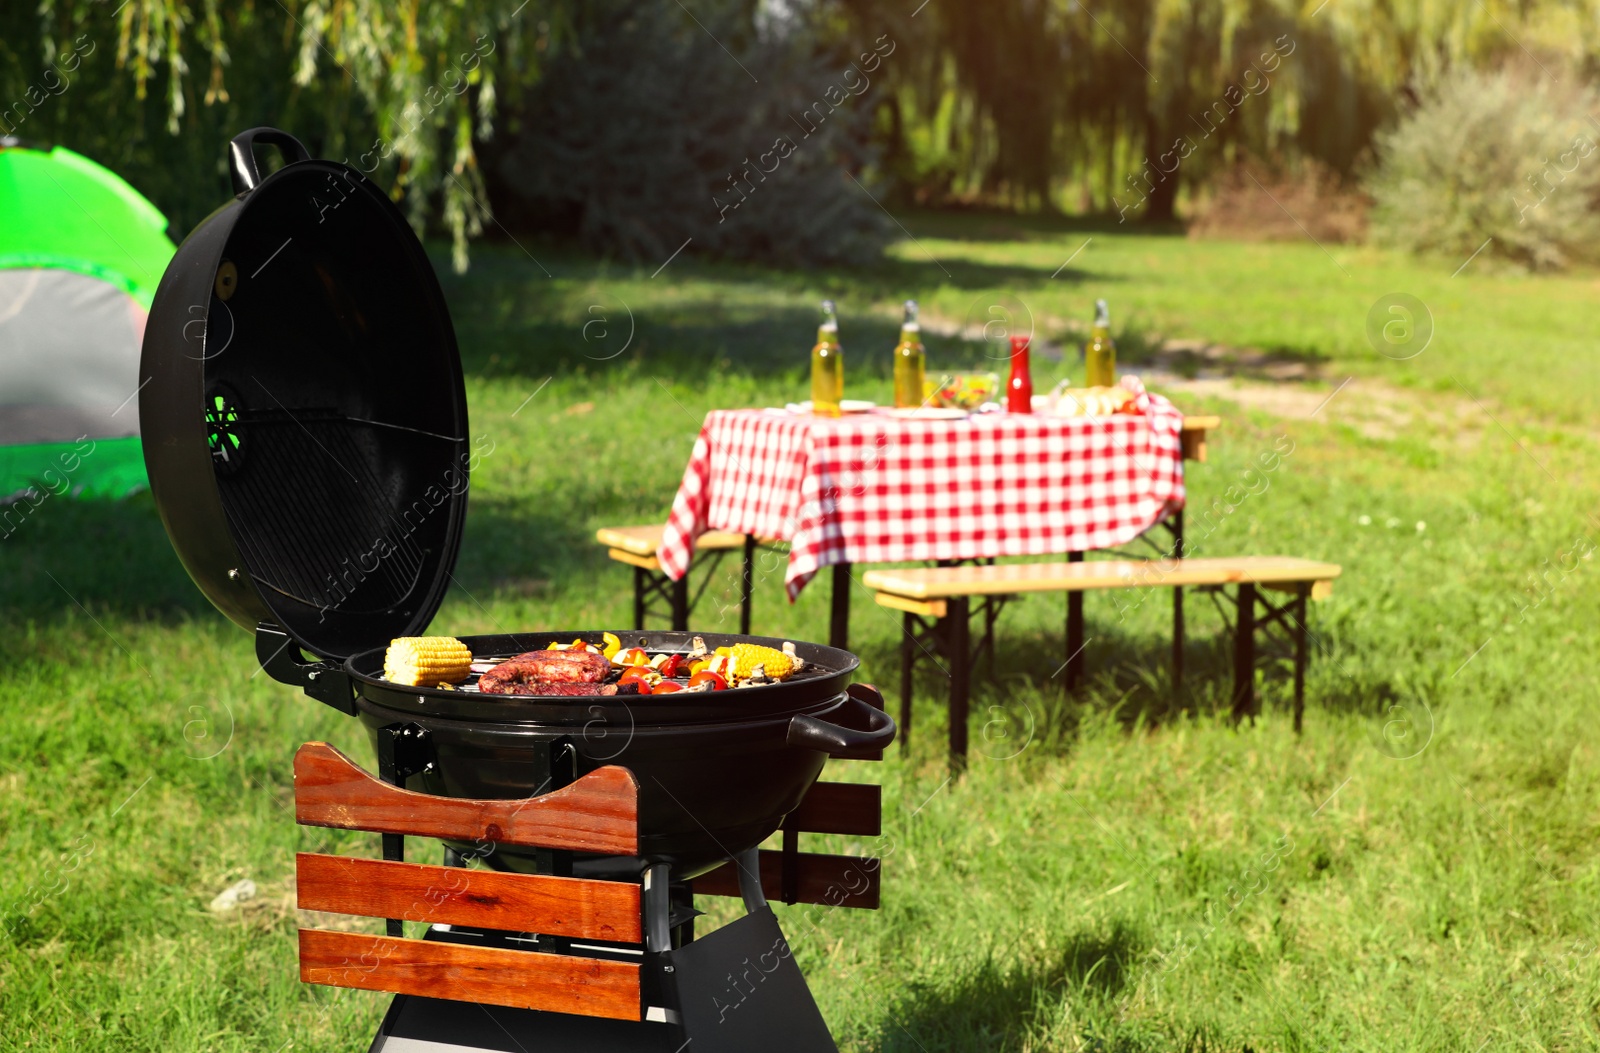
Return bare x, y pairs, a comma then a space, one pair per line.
933, 582
1320, 590
597, 813
622, 556
840, 808
837, 881
639, 540
489, 975
1192, 437
925, 608
556, 906
645, 540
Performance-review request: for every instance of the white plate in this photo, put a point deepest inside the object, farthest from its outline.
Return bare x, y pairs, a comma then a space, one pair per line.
930, 413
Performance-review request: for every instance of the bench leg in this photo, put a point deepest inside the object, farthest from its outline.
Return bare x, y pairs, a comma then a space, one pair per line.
1300, 654
1177, 644
1175, 524
640, 584
747, 584
839, 621
908, 657
1074, 631
959, 654
1244, 653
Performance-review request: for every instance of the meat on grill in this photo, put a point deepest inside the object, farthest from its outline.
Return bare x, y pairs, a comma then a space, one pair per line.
547, 669
556, 689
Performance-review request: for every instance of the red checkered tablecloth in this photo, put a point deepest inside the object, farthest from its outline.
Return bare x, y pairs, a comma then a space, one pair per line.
873, 488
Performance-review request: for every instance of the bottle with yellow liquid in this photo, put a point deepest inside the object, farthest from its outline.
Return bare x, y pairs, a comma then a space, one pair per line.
1100, 353
910, 362
827, 365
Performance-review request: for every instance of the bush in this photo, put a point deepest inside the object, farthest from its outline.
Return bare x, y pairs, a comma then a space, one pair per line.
1493, 155
648, 133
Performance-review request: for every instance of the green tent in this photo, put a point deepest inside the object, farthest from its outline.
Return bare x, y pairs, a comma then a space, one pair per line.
80, 255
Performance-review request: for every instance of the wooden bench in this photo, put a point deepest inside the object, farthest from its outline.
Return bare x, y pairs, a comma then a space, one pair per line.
565, 960
935, 603
637, 546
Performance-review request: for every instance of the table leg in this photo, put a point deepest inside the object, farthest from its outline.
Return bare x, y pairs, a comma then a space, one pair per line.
680, 604
747, 587
1244, 653
959, 654
1074, 632
908, 657
639, 585
839, 621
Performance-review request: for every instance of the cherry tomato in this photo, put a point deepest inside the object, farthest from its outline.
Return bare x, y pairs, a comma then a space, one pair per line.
705, 676
675, 665
666, 687
639, 673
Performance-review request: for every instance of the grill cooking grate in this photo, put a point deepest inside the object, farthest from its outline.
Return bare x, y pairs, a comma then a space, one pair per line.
318, 460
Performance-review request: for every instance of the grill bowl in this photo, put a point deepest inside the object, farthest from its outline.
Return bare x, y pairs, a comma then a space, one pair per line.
717, 771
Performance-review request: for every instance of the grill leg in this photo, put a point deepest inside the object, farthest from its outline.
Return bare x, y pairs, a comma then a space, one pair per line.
748, 864
908, 658
1244, 654
1300, 655
639, 585
748, 585
839, 622
959, 654
680, 604
657, 908
1074, 631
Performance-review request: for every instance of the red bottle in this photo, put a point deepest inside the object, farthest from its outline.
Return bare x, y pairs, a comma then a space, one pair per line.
1019, 390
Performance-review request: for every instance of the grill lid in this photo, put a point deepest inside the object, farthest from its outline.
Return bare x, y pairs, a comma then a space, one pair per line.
306, 426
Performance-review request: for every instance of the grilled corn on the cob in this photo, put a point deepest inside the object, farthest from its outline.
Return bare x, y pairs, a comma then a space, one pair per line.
747, 657
426, 661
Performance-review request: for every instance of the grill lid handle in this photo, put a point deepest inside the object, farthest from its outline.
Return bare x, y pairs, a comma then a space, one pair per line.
814, 733
242, 156
281, 659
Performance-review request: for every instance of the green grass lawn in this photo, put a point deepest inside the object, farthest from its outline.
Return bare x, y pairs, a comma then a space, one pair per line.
1417, 872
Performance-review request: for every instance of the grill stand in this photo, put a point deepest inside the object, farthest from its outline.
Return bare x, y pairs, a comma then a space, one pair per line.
732, 991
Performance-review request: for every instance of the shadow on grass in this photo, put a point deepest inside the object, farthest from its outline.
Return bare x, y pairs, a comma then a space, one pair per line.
1006, 1006
512, 321
112, 559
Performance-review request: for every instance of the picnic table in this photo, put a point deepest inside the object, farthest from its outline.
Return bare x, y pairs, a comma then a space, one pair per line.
881, 488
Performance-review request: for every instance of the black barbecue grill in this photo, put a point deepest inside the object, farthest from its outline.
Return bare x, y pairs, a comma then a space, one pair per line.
305, 432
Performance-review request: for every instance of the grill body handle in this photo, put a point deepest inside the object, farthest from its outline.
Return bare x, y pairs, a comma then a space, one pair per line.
814, 733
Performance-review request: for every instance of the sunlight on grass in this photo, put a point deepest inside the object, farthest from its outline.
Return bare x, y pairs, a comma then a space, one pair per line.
1415, 873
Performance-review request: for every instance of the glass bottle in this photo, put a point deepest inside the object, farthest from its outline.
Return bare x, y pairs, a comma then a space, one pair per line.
1019, 390
827, 365
1100, 353
910, 362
